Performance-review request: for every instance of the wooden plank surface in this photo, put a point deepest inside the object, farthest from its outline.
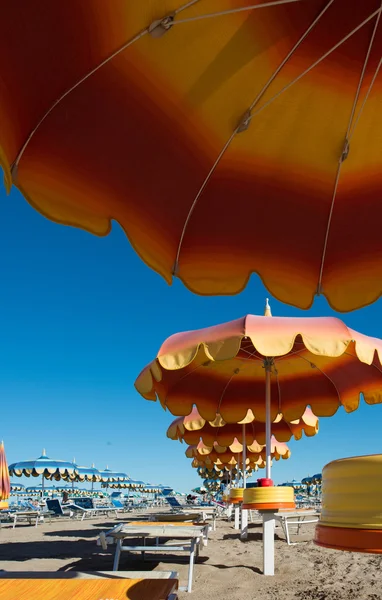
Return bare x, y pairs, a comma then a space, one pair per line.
86, 589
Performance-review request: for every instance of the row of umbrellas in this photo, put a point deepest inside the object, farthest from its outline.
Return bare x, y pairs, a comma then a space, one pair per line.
239, 387
52, 469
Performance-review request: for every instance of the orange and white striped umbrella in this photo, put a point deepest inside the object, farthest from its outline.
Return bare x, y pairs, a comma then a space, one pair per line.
5, 482
226, 137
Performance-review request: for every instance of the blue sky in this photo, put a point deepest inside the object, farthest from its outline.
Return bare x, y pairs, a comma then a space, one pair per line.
79, 318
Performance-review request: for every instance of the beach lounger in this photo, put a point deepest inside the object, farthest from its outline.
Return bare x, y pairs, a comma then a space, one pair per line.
55, 508
88, 504
118, 505
208, 512
295, 520
192, 536
31, 516
80, 510
90, 588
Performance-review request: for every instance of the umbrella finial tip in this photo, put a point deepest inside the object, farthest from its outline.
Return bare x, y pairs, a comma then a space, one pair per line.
267, 311
43, 452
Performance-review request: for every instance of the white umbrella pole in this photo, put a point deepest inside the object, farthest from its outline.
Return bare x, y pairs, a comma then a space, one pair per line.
268, 419
244, 512
268, 517
244, 457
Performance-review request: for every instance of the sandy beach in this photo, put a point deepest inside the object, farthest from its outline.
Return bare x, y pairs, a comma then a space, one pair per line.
228, 569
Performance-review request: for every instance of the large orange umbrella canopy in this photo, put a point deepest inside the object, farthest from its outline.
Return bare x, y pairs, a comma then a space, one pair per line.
248, 141
5, 483
316, 362
232, 454
194, 428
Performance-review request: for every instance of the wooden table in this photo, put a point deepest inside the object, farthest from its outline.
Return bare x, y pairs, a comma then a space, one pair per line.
88, 589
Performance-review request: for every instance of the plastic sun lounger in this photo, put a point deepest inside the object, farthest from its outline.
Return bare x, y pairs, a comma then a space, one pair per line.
61, 512
32, 516
89, 512
206, 511
89, 589
192, 537
295, 519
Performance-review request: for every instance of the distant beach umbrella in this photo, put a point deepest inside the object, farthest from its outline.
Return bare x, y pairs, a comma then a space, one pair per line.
135, 483
5, 483
45, 467
41, 490
296, 485
90, 474
17, 487
73, 491
109, 476
307, 480
199, 490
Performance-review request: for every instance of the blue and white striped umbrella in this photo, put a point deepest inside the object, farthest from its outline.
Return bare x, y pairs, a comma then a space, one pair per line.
45, 467
17, 487
87, 473
39, 489
151, 489
307, 480
296, 485
135, 483
109, 476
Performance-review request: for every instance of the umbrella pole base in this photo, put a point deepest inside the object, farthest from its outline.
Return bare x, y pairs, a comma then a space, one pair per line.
268, 543
244, 524
237, 517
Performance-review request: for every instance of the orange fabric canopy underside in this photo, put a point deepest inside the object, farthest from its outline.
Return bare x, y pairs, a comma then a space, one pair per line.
194, 428
149, 137
233, 454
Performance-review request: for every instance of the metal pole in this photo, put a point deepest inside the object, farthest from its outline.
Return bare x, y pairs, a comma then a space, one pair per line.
267, 365
244, 457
